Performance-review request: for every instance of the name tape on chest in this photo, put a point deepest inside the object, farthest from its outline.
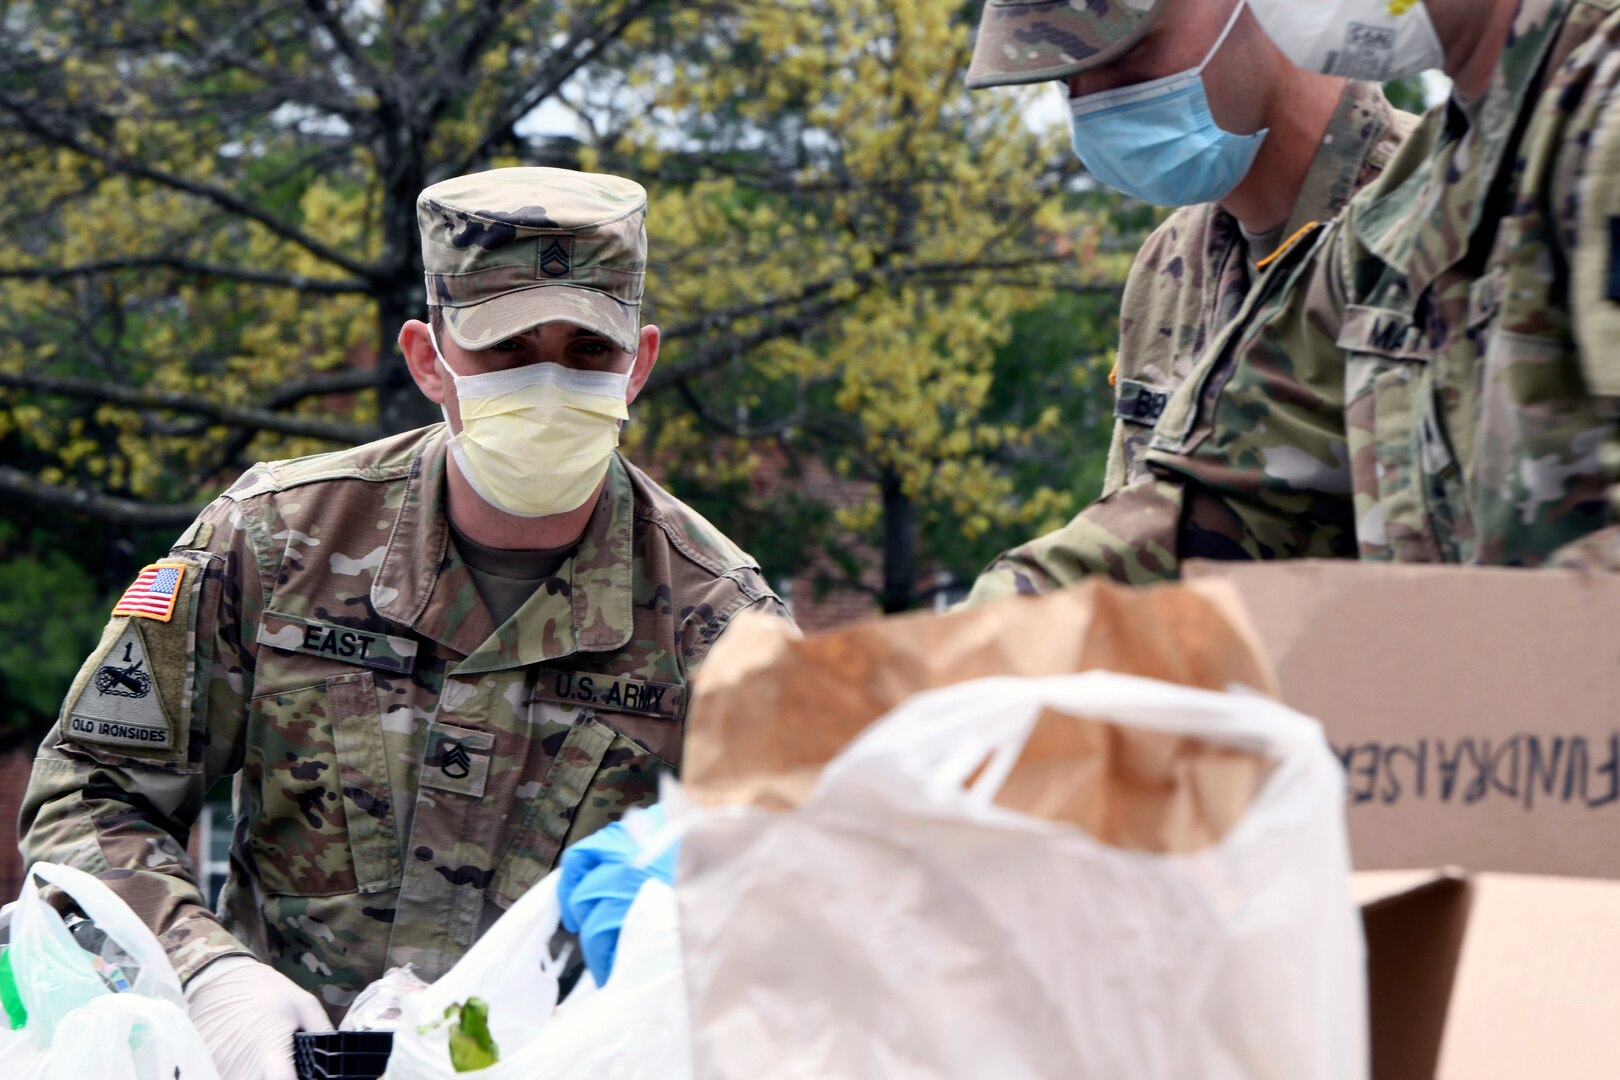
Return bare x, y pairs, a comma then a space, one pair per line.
1382, 332
1139, 402
1614, 259
345, 644
613, 693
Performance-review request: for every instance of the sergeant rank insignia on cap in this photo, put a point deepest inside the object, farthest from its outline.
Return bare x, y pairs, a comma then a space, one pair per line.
153, 594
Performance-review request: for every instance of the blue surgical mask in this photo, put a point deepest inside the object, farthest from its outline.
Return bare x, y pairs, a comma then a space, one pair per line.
1157, 141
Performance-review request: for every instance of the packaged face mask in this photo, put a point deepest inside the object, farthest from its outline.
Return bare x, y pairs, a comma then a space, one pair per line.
1158, 141
536, 440
1372, 40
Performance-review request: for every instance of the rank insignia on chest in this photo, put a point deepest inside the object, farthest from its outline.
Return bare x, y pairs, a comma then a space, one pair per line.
457, 759
154, 592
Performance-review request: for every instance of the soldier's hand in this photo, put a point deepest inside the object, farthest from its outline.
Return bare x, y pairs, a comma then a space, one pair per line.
601, 876
246, 1013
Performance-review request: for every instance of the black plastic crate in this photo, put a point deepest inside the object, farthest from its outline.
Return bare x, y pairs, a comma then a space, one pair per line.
342, 1055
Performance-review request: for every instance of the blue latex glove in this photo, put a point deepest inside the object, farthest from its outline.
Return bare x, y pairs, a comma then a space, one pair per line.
599, 882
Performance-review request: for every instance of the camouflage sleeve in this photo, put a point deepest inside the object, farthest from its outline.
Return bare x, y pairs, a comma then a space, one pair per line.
1249, 461
1589, 193
153, 718
1156, 334
1129, 536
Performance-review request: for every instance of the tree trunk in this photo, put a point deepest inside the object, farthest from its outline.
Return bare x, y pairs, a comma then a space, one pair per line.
402, 295
899, 547
400, 405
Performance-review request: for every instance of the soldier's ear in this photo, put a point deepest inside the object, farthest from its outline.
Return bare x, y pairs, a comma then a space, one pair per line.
417, 345
646, 358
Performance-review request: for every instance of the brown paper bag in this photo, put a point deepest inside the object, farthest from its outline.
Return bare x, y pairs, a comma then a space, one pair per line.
1167, 898
771, 708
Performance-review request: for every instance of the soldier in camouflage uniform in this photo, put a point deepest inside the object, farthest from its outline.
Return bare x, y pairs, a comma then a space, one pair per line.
419, 718
1193, 274
1434, 378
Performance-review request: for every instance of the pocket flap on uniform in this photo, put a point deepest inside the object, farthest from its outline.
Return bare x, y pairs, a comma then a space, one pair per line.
1382, 332
345, 644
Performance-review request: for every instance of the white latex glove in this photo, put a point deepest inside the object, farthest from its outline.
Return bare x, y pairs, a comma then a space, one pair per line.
246, 1013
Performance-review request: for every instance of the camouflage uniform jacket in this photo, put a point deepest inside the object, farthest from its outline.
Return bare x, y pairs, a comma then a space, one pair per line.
1192, 275
1478, 304
1434, 378
405, 769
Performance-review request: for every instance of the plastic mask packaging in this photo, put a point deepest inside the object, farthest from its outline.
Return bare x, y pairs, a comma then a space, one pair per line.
1373, 40
536, 440
1158, 141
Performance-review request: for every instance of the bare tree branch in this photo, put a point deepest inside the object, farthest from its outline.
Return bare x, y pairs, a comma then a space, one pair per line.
344, 42
218, 196
710, 418
140, 398
721, 351
807, 317
1075, 288
106, 507
593, 41
193, 267
342, 381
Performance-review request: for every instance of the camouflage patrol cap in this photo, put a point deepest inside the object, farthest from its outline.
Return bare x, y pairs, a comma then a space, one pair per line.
1025, 41
508, 250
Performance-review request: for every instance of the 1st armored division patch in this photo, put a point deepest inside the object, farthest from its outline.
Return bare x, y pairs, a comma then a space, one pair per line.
119, 706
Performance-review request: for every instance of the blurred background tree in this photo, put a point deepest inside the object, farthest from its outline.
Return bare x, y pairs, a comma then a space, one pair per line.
887, 302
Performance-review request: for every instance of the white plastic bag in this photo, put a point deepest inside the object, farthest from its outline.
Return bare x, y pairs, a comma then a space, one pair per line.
633, 1028
132, 1038
512, 968
902, 924
636, 1026
76, 1026
379, 1006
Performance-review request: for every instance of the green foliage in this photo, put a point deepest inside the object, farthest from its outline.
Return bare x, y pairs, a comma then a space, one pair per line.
1057, 357
852, 255
50, 613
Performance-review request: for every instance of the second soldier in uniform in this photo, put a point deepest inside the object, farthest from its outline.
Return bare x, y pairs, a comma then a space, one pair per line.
1191, 106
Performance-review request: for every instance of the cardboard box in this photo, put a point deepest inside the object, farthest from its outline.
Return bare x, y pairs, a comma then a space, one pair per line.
1491, 977
1477, 711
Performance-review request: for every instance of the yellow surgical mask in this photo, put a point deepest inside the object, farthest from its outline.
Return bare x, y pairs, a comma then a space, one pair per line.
536, 440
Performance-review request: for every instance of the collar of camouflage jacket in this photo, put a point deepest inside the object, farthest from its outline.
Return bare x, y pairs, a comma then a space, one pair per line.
1353, 144
585, 607
1424, 219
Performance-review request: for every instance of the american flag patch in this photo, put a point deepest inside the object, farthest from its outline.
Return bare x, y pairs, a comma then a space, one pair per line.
154, 592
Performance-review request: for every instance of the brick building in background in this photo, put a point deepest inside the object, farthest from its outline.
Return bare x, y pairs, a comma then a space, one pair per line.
816, 483
13, 781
